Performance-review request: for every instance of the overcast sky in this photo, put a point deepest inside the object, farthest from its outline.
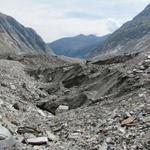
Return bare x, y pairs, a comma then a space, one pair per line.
53, 19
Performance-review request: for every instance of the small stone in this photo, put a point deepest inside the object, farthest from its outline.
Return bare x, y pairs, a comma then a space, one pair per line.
51, 136
37, 141
142, 68
148, 56
4, 133
126, 115
103, 130
127, 121
12, 87
108, 140
17, 106
103, 146
129, 72
1, 102
148, 70
66, 91
61, 109
4, 84
142, 95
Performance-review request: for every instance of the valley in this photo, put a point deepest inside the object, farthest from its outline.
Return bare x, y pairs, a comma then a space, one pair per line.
59, 101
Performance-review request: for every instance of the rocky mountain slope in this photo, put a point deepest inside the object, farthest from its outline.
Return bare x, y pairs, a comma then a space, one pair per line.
78, 46
48, 103
14, 37
59, 103
131, 37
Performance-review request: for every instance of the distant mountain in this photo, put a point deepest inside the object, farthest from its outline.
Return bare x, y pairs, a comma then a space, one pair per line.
132, 36
14, 37
79, 46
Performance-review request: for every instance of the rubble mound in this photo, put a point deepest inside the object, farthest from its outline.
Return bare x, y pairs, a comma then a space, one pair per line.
49, 103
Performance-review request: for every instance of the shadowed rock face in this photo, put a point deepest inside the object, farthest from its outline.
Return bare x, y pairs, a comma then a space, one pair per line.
14, 37
132, 36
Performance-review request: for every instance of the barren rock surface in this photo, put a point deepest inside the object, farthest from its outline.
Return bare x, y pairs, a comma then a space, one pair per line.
107, 105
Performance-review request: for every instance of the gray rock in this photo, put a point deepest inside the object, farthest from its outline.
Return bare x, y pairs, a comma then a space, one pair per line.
51, 136
37, 140
10, 144
61, 109
103, 146
12, 87
4, 133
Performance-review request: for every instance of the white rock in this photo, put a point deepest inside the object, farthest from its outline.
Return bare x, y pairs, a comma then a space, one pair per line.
134, 70
141, 95
108, 140
12, 87
148, 56
1, 102
147, 61
4, 133
129, 71
41, 113
38, 140
62, 108
142, 67
103, 146
51, 136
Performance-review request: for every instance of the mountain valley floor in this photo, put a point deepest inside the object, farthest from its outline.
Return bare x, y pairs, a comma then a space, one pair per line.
48, 103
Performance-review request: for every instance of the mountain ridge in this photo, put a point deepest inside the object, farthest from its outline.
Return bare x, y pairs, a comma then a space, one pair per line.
76, 46
126, 35
15, 38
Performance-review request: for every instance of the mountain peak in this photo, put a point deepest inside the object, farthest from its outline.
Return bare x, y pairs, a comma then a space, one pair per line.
147, 7
144, 13
81, 35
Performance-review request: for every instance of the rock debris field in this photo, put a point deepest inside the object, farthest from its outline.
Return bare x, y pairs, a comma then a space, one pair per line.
49, 103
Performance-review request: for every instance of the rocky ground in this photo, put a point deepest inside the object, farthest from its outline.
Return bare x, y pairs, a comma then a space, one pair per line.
49, 103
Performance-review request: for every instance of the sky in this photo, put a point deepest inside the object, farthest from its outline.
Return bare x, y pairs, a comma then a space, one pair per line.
54, 19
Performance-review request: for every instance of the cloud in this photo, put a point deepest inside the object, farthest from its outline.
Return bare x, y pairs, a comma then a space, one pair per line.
83, 15
54, 19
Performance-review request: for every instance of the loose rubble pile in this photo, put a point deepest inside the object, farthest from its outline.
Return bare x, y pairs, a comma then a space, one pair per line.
52, 104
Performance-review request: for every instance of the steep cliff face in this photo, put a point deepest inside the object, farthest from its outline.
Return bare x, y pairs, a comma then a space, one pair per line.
129, 38
14, 37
